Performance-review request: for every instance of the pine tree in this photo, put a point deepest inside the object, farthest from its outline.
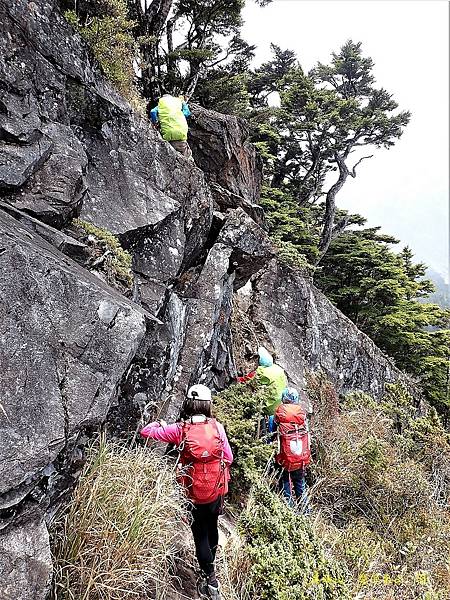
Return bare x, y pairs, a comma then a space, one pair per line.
325, 119
379, 290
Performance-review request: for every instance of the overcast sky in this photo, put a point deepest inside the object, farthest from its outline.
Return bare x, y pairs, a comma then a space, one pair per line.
404, 189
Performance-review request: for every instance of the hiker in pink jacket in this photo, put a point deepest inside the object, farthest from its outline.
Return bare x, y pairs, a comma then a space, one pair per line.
173, 434
205, 458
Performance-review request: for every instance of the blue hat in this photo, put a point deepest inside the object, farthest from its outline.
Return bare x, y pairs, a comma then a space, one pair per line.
289, 396
265, 359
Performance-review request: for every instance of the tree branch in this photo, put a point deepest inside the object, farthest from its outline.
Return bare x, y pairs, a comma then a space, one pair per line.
330, 206
352, 172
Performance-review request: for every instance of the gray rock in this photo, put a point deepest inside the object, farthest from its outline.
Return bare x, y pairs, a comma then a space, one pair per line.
241, 249
19, 119
18, 163
252, 248
67, 244
53, 43
65, 342
221, 149
308, 333
208, 302
25, 562
155, 200
55, 189
225, 200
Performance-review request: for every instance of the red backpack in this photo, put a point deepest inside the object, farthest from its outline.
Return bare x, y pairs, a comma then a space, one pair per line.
202, 470
294, 440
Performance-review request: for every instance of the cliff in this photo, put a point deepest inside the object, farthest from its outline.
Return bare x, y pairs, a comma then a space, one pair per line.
74, 350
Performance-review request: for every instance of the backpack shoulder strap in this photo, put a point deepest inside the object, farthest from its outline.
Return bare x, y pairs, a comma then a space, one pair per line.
185, 426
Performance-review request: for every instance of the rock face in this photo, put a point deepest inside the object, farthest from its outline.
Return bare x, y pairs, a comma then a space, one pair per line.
241, 249
62, 353
308, 333
221, 149
75, 352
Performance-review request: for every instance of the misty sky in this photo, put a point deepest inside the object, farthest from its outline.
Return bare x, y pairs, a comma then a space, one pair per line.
404, 189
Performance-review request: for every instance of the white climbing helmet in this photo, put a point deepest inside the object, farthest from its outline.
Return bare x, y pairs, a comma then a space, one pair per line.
199, 392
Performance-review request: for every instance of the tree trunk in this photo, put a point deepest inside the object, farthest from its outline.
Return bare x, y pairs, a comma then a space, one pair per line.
150, 24
330, 208
150, 81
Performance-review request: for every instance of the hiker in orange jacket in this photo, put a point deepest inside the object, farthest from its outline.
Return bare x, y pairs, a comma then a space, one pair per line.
205, 458
294, 454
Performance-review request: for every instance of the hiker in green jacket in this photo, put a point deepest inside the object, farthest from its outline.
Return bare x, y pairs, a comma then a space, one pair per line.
271, 375
171, 114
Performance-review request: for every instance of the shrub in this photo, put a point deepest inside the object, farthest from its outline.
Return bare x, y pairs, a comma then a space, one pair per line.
290, 256
108, 33
284, 558
380, 491
115, 262
121, 532
239, 409
277, 556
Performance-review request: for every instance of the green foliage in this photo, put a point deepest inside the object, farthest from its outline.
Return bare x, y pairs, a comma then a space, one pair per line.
280, 556
289, 223
239, 408
287, 561
224, 91
189, 46
288, 255
109, 32
380, 291
121, 259
322, 119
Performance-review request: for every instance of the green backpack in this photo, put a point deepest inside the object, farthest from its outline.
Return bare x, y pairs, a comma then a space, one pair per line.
174, 127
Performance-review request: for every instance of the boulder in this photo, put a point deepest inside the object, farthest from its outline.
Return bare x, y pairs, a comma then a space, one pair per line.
221, 149
65, 342
251, 248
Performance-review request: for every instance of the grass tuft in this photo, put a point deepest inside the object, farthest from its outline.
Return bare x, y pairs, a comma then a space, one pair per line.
123, 530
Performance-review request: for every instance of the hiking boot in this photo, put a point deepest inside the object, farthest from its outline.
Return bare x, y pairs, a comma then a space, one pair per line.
213, 587
214, 593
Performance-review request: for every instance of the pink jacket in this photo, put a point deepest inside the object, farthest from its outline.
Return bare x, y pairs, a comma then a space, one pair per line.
172, 434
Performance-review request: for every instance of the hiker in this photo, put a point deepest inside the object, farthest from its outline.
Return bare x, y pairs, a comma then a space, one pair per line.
270, 374
294, 453
171, 114
204, 460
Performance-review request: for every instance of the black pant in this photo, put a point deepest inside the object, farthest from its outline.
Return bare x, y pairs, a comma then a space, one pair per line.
206, 533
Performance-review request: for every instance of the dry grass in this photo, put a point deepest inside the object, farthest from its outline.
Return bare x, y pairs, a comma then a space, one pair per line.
121, 534
381, 495
233, 568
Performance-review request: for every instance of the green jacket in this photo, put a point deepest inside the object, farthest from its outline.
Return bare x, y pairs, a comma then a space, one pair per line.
275, 378
172, 121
